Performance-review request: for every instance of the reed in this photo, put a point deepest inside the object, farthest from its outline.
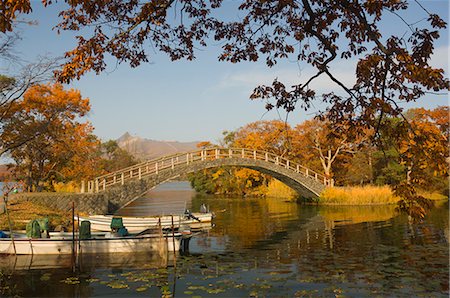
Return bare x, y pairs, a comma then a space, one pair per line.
368, 195
358, 195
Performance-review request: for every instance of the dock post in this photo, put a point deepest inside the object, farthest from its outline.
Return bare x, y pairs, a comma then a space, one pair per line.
82, 190
173, 243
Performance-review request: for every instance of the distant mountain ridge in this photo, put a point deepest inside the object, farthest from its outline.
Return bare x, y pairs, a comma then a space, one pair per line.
148, 149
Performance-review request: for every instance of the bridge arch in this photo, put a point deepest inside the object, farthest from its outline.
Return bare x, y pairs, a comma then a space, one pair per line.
306, 182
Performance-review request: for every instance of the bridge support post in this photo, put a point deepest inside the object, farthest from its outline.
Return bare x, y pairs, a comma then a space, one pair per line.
96, 185
140, 173
267, 156
122, 178
82, 190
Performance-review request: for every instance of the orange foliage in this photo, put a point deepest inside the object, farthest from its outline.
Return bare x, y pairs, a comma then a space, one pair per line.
272, 136
50, 143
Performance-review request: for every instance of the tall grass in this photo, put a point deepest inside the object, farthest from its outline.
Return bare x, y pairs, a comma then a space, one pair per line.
367, 195
359, 195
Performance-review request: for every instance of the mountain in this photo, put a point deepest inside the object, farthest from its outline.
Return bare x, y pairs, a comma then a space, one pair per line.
149, 149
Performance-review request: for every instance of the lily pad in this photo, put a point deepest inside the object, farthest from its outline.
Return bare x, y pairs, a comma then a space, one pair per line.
141, 289
116, 284
71, 281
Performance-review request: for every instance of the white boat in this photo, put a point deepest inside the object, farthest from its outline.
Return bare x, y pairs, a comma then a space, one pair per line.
64, 244
137, 224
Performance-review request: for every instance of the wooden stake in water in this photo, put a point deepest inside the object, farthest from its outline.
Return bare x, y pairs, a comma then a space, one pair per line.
73, 236
5, 200
78, 259
173, 243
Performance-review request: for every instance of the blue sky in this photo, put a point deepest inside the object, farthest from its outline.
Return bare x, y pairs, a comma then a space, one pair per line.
193, 101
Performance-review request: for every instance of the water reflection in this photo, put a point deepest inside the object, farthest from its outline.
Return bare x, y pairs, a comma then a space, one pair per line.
168, 198
86, 262
267, 247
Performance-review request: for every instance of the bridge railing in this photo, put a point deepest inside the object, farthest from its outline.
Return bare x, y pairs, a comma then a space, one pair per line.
153, 167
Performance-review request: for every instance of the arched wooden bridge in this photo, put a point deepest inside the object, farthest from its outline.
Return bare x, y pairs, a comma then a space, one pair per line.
306, 182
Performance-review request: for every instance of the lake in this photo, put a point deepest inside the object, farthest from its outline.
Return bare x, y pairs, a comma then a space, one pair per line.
259, 248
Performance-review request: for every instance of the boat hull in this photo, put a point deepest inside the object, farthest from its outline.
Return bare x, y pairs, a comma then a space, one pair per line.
44, 246
138, 224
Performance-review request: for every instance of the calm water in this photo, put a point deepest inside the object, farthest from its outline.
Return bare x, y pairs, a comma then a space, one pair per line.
260, 248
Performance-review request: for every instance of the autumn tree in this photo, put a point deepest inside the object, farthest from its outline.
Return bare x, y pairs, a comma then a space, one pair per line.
59, 147
272, 136
424, 148
314, 32
390, 69
326, 142
16, 77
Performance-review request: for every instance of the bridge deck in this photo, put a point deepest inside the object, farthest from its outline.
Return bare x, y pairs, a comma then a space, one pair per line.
173, 162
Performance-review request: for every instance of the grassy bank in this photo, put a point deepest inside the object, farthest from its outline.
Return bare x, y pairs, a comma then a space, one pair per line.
366, 195
21, 213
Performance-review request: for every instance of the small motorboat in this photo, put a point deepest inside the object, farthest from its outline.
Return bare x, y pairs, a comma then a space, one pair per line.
64, 245
137, 224
37, 241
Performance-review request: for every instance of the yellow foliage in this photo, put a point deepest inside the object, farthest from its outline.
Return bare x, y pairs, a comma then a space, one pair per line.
71, 186
366, 195
360, 195
277, 189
